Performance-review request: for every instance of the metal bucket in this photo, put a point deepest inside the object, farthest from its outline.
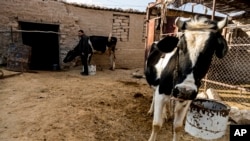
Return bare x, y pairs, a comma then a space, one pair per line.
92, 69
207, 119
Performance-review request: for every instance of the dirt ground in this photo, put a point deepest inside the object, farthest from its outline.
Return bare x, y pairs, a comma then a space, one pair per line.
65, 106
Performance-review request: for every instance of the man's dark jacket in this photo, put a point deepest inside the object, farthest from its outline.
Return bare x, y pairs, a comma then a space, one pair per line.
83, 45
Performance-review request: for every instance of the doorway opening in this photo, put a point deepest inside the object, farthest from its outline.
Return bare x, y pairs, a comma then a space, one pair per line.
45, 46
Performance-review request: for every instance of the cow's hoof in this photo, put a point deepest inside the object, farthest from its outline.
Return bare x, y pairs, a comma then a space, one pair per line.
150, 113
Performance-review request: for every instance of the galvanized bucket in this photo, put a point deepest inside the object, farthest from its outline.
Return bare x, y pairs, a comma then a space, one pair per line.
92, 69
207, 119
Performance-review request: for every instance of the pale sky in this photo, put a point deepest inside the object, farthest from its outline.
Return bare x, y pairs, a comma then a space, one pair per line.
141, 5
124, 4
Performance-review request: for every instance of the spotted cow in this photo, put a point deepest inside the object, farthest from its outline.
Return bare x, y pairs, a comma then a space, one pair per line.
96, 43
175, 67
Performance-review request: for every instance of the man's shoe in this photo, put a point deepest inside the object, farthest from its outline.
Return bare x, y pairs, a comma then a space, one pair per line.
84, 73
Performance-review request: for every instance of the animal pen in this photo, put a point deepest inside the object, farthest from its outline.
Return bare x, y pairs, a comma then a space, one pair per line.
230, 76
28, 46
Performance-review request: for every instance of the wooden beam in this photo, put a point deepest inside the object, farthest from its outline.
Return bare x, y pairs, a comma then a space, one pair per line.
227, 9
214, 4
153, 4
163, 16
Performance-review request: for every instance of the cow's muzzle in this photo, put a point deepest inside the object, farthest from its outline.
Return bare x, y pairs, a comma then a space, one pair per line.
184, 93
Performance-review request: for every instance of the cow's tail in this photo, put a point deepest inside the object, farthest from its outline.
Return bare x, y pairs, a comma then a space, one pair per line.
110, 35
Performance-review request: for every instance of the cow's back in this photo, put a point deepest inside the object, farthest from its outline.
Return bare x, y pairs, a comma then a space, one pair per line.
99, 42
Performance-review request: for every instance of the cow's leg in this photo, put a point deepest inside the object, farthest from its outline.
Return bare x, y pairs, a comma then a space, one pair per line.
112, 57
159, 103
150, 112
180, 112
168, 112
165, 111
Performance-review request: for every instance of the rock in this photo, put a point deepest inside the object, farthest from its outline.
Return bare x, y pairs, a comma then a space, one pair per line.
202, 95
240, 116
212, 94
245, 117
209, 94
137, 75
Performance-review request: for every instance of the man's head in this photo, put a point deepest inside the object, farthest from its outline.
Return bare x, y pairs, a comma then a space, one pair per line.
80, 33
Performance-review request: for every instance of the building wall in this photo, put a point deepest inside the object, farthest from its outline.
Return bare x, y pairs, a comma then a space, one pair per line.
130, 52
71, 18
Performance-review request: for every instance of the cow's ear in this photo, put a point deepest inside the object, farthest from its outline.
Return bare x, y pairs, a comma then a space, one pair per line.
181, 24
222, 48
222, 23
167, 44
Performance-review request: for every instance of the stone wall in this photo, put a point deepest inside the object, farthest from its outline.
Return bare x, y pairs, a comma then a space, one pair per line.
126, 26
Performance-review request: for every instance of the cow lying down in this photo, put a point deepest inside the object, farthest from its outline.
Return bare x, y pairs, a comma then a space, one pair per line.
176, 66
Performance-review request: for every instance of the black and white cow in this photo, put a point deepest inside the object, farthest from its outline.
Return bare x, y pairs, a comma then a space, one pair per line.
175, 66
97, 43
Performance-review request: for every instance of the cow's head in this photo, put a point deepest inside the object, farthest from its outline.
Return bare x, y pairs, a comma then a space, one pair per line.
70, 56
201, 38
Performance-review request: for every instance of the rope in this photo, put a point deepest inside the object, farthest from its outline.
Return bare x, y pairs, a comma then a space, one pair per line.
31, 31
175, 76
227, 85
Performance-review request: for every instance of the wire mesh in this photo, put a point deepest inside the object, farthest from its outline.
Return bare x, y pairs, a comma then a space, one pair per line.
230, 76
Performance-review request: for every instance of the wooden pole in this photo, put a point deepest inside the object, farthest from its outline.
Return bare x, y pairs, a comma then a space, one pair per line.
163, 16
214, 4
146, 34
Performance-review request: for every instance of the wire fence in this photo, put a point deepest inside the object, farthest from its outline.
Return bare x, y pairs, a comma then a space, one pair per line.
230, 76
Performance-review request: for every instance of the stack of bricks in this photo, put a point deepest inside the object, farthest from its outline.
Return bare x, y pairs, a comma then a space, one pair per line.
120, 27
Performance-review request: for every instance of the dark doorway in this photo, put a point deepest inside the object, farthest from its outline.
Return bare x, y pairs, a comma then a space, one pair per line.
45, 46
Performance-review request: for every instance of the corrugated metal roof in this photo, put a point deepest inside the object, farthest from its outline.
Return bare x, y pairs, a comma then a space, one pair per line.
222, 6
